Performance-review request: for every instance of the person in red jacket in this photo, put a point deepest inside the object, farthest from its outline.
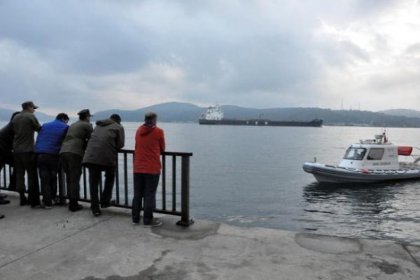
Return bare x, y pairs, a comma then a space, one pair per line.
150, 144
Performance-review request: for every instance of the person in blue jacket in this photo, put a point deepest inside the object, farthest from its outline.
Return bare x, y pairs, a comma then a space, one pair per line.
47, 148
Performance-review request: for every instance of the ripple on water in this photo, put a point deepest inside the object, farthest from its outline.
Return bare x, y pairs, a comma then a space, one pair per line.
384, 211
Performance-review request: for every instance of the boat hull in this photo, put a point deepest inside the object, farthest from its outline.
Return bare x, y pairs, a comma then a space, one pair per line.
260, 122
334, 174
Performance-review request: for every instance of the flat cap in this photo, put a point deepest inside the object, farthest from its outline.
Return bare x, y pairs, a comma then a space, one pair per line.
27, 104
85, 112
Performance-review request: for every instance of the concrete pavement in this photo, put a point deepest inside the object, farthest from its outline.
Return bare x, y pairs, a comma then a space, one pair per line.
57, 244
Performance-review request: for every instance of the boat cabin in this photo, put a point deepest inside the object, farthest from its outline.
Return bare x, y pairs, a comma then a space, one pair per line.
373, 154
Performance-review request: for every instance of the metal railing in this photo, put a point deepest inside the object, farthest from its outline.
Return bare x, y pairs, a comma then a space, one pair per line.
172, 195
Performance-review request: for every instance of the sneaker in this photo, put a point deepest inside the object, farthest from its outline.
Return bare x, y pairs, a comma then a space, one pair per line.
75, 208
154, 223
55, 200
108, 204
45, 206
135, 223
96, 212
59, 202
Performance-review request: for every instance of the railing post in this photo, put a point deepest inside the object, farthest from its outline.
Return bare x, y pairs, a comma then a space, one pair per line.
185, 193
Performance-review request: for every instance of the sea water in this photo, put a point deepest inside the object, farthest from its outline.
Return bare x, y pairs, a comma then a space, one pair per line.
252, 176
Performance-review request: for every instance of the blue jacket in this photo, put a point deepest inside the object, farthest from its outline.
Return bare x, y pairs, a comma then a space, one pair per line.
50, 137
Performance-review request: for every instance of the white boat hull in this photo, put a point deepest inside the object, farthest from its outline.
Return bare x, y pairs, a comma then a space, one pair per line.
333, 174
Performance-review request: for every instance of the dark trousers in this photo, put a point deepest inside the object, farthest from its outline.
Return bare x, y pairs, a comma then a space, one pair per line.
26, 163
6, 157
48, 171
145, 186
95, 172
72, 166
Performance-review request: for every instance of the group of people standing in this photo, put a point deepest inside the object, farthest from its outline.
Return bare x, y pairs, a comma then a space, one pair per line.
59, 146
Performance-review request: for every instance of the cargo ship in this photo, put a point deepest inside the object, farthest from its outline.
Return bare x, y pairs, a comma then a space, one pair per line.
214, 116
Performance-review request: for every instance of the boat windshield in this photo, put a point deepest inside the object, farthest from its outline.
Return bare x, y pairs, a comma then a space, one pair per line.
355, 153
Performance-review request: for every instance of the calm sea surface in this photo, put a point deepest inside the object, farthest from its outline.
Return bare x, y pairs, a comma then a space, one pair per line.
252, 176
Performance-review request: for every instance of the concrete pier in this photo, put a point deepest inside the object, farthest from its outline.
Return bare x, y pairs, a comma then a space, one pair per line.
56, 244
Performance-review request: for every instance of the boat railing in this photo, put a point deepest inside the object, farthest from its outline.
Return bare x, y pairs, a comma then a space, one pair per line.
173, 194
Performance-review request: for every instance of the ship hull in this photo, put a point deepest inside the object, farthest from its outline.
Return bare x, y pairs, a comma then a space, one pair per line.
259, 122
333, 174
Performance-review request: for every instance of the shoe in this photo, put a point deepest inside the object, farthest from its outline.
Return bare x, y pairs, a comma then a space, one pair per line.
109, 204
96, 212
57, 202
75, 207
47, 206
4, 201
153, 223
35, 205
1, 216
135, 223
60, 202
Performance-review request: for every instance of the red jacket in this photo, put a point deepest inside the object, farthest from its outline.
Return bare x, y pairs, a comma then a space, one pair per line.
150, 144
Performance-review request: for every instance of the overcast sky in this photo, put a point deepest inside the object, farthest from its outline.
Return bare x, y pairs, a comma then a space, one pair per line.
68, 55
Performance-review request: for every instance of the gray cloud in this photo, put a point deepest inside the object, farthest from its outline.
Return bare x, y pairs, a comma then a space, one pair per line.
102, 54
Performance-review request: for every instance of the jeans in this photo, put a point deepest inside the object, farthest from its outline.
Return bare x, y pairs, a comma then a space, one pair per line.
145, 186
48, 170
72, 166
95, 172
26, 163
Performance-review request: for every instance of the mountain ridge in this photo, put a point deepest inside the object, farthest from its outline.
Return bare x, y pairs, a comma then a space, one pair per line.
187, 112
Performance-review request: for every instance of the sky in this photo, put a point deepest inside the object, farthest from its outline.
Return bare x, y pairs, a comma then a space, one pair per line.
128, 54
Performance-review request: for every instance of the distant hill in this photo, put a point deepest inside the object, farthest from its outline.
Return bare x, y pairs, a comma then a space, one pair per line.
185, 112
402, 112
167, 112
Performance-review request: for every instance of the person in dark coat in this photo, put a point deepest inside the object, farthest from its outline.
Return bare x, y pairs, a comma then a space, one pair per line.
71, 156
6, 148
25, 124
101, 155
6, 155
47, 148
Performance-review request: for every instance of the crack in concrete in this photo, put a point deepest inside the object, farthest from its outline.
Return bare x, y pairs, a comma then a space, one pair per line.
415, 261
53, 243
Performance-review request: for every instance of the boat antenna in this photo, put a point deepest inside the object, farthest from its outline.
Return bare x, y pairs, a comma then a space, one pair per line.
385, 138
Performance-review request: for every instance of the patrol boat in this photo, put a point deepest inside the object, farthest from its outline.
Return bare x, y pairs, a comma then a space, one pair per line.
369, 161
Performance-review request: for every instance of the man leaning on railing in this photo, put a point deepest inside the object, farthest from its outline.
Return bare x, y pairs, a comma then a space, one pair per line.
106, 140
